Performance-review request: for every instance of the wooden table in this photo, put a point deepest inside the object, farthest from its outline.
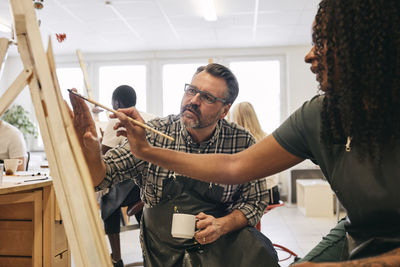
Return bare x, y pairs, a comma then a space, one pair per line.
31, 229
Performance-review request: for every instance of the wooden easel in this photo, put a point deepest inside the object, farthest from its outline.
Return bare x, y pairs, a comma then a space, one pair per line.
87, 83
68, 168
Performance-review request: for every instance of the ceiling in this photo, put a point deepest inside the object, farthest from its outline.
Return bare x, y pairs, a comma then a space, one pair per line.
95, 26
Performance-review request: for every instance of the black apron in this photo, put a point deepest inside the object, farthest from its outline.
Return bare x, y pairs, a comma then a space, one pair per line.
244, 247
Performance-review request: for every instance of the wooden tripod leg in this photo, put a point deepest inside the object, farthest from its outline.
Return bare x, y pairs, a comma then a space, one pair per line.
13, 91
68, 168
85, 74
87, 83
3, 50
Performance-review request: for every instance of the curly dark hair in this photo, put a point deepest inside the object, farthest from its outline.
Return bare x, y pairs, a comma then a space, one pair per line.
220, 71
361, 40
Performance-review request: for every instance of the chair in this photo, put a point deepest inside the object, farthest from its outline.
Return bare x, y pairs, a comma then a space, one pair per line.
278, 247
270, 207
272, 184
131, 211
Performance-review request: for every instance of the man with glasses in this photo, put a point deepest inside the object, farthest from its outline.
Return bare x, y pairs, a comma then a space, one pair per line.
226, 214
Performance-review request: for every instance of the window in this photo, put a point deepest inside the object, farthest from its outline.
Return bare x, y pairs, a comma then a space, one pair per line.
259, 84
70, 78
67, 78
110, 77
174, 77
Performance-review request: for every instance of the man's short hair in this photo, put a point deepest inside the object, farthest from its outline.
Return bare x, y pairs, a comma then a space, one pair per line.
125, 95
220, 71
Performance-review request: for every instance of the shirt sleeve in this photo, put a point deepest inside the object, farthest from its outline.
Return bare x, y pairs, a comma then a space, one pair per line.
253, 198
300, 133
120, 165
17, 146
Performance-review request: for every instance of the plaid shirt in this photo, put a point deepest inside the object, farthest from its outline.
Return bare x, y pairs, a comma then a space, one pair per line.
250, 198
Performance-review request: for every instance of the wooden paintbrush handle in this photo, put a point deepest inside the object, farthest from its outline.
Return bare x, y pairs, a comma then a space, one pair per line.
114, 111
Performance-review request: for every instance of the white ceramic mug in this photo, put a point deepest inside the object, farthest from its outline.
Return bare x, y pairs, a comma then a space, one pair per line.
11, 165
183, 225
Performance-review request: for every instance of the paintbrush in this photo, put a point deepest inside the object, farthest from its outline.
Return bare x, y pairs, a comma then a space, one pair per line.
114, 111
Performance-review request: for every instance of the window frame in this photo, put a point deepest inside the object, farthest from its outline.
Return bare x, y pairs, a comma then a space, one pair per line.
283, 87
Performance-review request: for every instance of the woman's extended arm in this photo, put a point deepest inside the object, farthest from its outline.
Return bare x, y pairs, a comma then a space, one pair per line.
391, 258
260, 160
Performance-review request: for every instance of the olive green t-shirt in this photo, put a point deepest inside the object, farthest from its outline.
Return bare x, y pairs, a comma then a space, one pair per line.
368, 191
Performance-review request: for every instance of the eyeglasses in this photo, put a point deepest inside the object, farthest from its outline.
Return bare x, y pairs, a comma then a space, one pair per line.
191, 90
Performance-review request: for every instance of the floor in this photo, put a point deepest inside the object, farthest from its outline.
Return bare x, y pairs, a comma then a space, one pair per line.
288, 227
285, 226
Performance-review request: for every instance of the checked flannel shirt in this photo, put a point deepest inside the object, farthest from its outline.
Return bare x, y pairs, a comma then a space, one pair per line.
250, 198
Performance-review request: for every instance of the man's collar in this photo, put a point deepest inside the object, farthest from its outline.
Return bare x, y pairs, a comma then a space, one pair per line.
188, 138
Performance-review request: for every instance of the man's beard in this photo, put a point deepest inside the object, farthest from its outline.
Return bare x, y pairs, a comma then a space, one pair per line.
196, 120
192, 122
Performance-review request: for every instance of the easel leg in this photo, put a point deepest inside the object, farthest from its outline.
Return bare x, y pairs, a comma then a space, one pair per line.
3, 50
13, 91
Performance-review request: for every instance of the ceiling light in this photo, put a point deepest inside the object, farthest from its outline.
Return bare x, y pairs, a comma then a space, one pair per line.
209, 13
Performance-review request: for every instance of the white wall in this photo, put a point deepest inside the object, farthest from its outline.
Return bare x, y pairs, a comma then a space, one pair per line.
301, 86
298, 82
12, 68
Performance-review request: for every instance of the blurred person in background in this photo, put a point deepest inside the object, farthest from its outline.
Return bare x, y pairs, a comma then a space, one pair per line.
12, 144
244, 114
125, 193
